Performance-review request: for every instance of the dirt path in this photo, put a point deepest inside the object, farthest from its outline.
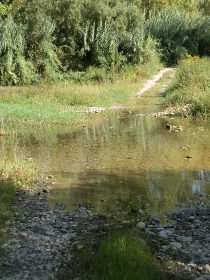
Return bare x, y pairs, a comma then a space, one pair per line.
151, 83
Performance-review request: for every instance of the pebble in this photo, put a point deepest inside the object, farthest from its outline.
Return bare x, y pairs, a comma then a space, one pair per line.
187, 237
41, 241
141, 225
141, 212
175, 245
191, 218
156, 219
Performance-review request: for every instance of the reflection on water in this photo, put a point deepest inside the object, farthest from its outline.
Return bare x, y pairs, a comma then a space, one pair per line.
123, 157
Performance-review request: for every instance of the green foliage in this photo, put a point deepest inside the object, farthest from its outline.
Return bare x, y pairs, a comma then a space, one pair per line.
190, 6
3, 10
15, 69
179, 34
192, 86
7, 190
54, 38
41, 49
124, 257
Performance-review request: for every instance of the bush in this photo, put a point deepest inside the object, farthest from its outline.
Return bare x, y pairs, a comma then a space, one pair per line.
15, 69
50, 39
180, 34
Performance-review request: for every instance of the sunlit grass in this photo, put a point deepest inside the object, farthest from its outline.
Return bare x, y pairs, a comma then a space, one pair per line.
192, 86
63, 103
14, 175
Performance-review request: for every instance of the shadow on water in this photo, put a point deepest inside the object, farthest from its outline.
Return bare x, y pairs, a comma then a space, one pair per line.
160, 191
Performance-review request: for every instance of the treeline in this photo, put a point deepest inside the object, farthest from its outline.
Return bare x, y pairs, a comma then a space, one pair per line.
48, 39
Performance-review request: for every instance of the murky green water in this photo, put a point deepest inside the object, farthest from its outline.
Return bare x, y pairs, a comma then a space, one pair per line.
121, 157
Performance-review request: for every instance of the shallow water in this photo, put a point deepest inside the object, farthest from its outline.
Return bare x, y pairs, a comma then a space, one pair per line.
120, 157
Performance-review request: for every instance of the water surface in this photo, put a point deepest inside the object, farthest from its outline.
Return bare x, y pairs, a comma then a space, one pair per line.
122, 156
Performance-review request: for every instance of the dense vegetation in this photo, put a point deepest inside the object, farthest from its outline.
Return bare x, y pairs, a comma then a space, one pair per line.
191, 86
51, 39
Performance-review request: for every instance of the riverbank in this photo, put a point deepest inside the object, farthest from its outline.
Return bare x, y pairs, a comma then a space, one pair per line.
47, 244
181, 245
57, 244
67, 103
15, 175
191, 88
33, 205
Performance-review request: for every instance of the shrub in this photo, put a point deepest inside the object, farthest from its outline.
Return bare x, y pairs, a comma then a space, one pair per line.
180, 33
15, 69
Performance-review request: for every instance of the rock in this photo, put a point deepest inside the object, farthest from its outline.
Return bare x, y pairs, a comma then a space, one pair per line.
207, 268
151, 233
156, 219
188, 157
164, 248
7, 223
191, 218
168, 126
165, 234
184, 238
93, 228
80, 247
141, 225
50, 176
45, 191
141, 212
23, 234
175, 245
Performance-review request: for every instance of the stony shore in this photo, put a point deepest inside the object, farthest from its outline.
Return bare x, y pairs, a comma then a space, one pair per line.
183, 244
46, 244
43, 242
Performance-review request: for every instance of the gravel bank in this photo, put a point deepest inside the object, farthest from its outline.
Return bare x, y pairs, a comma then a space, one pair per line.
42, 241
183, 244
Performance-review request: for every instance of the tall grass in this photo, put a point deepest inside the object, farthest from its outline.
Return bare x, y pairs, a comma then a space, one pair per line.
192, 86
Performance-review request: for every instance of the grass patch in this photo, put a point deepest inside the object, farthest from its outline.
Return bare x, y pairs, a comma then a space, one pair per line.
124, 257
14, 175
191, 86
62, 103
7, 190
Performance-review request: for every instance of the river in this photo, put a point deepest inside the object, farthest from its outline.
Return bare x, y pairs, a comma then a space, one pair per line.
122, 156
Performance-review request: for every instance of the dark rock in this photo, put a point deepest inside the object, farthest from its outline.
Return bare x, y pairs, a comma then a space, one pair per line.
156, 219
168, 126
